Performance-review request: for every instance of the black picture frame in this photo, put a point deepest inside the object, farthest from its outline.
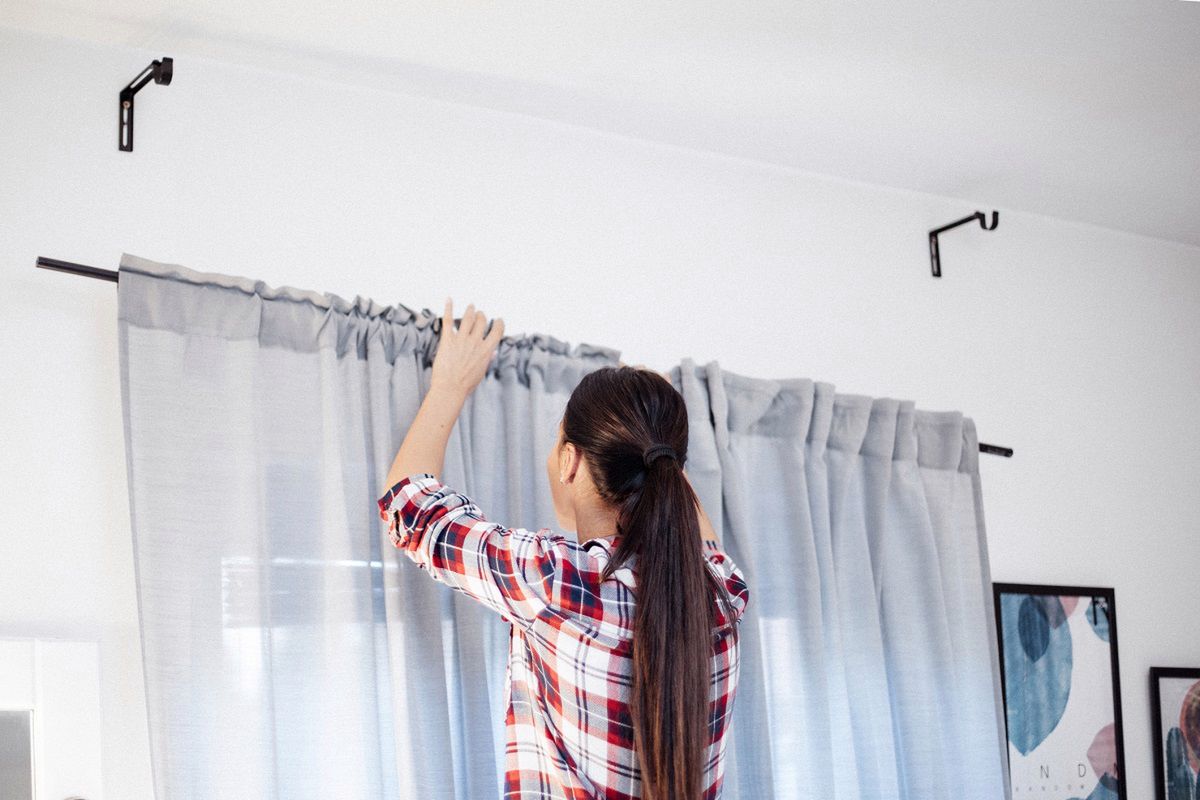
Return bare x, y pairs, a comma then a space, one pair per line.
1156, 675
1090, 592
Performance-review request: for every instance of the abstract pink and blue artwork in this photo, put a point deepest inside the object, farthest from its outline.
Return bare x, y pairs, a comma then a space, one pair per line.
1058, 661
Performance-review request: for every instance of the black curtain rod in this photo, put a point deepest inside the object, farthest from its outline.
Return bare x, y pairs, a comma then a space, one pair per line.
77, 269
109, 275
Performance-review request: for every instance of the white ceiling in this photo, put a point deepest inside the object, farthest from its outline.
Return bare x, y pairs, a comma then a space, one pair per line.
1088, 111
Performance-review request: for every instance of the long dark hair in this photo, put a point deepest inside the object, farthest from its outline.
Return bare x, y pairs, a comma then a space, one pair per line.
613, 415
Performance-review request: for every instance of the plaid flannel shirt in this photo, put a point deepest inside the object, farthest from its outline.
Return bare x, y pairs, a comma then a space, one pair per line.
568, 726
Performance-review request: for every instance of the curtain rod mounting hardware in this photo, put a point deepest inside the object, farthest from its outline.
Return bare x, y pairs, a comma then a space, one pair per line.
935, 258
160, 72
109, 275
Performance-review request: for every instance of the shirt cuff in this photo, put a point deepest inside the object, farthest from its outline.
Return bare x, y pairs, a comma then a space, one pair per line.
422, 479
385, 500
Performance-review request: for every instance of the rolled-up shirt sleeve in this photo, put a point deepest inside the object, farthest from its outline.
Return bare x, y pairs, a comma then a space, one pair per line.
731, 573
510, 570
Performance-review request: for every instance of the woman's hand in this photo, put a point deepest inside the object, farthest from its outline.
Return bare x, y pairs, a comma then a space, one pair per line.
462, 359
464, 354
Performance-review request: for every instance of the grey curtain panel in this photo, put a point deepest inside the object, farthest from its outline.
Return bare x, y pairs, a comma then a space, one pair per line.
869, 664
292, 653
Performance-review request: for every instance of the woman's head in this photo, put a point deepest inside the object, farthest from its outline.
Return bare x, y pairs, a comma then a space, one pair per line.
612, 417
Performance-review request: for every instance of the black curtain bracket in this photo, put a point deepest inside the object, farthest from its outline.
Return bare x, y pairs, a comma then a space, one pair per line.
160, 72
935, 258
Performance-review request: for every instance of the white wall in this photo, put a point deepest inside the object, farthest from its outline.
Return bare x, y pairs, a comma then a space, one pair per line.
1077, 346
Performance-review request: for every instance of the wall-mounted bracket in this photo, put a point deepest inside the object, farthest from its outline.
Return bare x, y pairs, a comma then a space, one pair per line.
160, 72
933, 240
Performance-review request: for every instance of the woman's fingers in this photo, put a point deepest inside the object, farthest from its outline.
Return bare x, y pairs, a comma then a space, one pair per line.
496, 332
473, 321
473, 324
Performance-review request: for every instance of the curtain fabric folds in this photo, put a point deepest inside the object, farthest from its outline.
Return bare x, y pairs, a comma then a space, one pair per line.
290, 652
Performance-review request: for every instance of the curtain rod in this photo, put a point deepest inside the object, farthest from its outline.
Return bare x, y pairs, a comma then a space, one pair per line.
77, 269
109, 275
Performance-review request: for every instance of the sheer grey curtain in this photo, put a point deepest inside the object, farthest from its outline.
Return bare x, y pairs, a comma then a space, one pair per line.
291, 653
869, 665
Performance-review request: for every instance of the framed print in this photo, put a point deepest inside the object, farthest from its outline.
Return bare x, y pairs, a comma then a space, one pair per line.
1062, 691
1175, 715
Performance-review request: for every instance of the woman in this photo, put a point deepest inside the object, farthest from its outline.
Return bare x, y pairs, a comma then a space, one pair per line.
623, 661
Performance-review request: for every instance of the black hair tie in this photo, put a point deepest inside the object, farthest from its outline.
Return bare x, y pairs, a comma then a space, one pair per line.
655, 450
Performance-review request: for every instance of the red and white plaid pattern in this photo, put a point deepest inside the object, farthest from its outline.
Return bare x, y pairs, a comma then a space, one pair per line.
568, 729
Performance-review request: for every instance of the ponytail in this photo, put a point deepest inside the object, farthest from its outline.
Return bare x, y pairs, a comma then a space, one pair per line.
672, 634
612, 416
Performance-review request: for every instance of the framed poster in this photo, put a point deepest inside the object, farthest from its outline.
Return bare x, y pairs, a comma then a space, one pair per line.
1062, 691
1175, 711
